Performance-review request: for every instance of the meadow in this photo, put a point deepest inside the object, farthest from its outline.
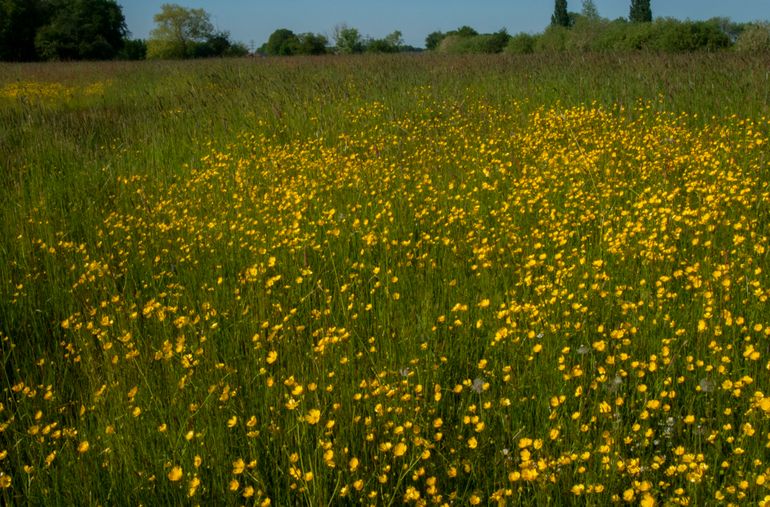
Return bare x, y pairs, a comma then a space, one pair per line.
426, 279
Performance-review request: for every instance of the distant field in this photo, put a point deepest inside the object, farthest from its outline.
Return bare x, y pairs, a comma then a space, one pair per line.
386, 279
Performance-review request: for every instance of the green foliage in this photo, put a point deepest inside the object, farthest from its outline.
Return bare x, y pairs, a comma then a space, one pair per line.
19, 22
348, 40
188, 33
392, 43
464, 31
178, 29
560, 15
553, 39
282, 42
433, 40
133, 49
589, 10
755, 38
82, 30
640, 11
521, 43
312, 44
585, 32
480, 43
673, 36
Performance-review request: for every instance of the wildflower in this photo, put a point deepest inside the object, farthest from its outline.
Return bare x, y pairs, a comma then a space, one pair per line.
175, 474
313, 416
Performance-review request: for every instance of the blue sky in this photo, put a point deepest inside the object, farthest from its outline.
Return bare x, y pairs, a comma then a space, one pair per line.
255, 20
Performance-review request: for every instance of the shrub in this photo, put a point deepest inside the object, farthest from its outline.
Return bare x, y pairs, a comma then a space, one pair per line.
755, 38
521, 43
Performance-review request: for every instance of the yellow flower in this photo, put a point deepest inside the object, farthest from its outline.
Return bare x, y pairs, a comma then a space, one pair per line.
193, 486
272, 357
238, 466
647, 500
83, 446
248, 492
5, 481
399, 449
313, 416
234, 485
232, 421
175, 474
472, 443
353, 463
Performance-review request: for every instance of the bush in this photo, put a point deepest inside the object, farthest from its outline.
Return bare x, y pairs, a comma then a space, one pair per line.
554, 38
674, 36
133, 49
521, 43
755, 38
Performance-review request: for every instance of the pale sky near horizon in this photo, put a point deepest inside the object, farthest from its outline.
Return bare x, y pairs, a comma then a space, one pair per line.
252, 21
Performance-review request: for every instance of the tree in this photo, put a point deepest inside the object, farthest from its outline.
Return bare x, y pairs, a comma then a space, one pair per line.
755, 38
282, 42
312, 44
521, 43
133, 49
590, 11
464, 31
560, 15
19, 22
82, 29
178, 30
348, 40
392, 43
640, 11
433, 40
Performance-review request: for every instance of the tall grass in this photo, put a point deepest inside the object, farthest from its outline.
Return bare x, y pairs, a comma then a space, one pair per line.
382, 279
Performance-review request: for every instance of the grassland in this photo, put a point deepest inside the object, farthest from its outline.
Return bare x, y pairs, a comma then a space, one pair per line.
434, 280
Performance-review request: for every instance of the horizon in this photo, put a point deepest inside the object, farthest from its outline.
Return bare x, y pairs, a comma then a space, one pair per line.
251, 23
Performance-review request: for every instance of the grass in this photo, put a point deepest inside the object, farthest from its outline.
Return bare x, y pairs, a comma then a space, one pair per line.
386, 279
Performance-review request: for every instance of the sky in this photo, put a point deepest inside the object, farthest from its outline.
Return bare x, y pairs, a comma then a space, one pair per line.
252, 21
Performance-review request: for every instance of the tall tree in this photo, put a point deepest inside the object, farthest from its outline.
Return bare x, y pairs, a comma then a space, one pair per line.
433, 40
348, 40
282, 42
312, 44
560, 15
640, 11
177, 31
19, 22
82, 29
589, 10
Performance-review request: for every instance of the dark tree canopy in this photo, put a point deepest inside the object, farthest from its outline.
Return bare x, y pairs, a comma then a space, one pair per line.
560, 15
82, 30
640, 11
282, 42
60, 29
19, 22
433, 40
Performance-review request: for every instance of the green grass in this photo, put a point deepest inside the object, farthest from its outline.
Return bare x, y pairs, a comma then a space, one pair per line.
430, 244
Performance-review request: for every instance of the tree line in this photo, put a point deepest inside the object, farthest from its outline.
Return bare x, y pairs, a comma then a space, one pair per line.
33, 30
587, 30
